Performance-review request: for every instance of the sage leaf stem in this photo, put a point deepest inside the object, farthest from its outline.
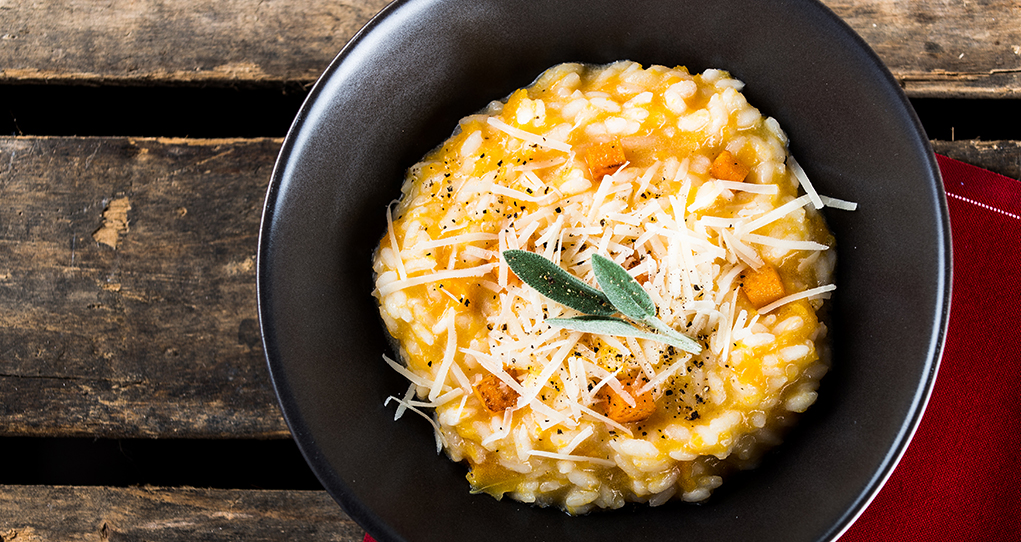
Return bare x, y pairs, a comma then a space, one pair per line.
607, 325
683, 342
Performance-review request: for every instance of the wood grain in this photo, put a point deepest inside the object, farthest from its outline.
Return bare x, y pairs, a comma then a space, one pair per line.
161, 42
49, 513
935, 48
158, 337
941, 48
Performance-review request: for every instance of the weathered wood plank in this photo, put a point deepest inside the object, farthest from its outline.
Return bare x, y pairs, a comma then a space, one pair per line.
48, 513
156, 337
186, 41
936, 48
939, 48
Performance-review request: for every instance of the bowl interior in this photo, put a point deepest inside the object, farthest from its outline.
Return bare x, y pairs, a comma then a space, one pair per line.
398, 89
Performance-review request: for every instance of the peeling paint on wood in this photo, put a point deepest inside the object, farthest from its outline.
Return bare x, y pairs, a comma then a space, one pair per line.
115, 222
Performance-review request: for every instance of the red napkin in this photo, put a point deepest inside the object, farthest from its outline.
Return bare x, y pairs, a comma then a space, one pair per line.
960, 479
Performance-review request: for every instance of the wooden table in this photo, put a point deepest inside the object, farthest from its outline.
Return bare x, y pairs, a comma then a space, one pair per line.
127, 264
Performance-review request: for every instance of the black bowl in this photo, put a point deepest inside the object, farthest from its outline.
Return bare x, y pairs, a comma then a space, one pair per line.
398, 89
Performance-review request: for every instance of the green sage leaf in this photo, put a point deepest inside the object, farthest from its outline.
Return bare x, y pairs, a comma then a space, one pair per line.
552, 281
604, 325
623, 294
622, 290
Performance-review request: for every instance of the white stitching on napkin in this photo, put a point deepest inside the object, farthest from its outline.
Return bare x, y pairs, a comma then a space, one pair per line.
984, 206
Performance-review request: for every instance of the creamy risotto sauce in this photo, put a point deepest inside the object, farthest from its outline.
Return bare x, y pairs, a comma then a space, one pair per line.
679, 180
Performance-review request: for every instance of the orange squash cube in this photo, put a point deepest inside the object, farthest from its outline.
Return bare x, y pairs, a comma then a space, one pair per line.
604, 158
619, 411
763, 286
729, 168
495, 394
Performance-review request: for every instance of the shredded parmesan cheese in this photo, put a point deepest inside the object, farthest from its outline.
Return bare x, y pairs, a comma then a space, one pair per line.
799, 173
568, 457
437, 276
812, 292
589, 420
393, 244
839, 203
528, 136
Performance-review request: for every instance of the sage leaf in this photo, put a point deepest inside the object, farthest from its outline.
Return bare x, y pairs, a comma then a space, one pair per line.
622, 290
624, 295
550, 280
603, 325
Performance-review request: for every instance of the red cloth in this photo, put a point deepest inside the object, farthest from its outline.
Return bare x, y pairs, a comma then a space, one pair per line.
960, 479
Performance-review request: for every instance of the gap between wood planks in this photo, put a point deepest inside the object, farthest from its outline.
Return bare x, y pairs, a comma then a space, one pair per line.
226, 464
267, 111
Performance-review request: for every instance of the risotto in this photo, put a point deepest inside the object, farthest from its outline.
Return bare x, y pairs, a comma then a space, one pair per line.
670, 176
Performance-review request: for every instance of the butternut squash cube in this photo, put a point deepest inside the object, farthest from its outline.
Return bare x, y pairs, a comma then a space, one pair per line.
604, 158
729, 168
619, 411
495, 394
762, 287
